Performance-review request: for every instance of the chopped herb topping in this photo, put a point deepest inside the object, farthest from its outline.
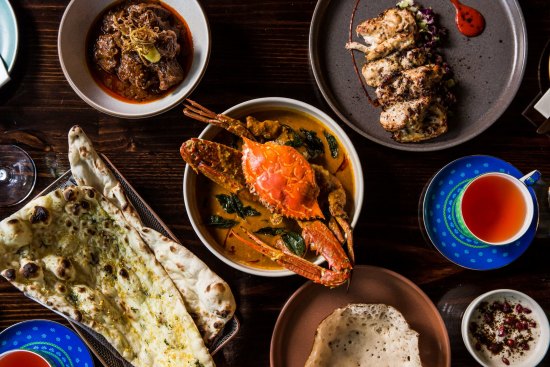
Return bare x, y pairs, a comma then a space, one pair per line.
72, 297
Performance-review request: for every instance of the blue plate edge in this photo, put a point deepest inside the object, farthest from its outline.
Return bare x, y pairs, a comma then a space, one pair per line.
18, 324
536, 216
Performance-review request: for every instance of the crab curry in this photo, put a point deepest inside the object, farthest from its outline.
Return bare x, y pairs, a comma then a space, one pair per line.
229, 217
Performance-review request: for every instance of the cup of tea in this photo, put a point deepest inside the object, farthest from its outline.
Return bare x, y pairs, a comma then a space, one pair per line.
495, 208
23, 357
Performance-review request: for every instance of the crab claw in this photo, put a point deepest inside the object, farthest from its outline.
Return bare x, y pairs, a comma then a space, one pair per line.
218, 162
297, 264
282, 178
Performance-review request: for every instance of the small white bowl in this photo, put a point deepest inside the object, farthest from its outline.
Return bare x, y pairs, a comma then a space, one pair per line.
246, 109
535, 354
77, 20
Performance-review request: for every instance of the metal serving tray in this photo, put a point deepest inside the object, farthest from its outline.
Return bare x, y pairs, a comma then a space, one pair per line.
106, 354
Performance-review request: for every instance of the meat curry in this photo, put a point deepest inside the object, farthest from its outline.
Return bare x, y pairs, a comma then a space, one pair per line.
139, 51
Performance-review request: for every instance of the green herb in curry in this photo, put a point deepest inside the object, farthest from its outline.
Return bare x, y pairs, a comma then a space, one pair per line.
232, 204
292, 240
295, 243
220, 222
332, 144
313, 144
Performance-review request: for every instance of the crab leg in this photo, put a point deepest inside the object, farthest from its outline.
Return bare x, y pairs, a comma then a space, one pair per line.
336, 202
296, 264
320, 239
333, 225
201, 113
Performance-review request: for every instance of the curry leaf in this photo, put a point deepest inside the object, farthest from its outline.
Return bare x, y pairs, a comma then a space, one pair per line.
249, 211
226, 203
314, 145
294, 139
220, 222
231, 204
295, 243
270, 231
332, 144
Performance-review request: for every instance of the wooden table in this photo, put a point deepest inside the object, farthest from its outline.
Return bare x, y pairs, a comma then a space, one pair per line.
261, 49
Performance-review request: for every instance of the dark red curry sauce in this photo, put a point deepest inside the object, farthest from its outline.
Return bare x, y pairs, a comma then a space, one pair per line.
121, 89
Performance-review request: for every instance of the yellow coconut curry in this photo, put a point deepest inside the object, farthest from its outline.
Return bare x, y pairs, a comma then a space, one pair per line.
223, 212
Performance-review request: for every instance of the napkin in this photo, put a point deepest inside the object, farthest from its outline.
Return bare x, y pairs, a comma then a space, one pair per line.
543, 105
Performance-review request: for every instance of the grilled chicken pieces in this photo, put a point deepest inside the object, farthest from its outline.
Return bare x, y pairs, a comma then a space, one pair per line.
407, 85
393, 30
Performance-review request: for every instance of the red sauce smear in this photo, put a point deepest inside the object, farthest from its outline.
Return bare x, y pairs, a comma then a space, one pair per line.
372, 102
469, 21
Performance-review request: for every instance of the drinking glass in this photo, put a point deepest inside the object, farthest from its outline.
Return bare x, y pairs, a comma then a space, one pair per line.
17, 175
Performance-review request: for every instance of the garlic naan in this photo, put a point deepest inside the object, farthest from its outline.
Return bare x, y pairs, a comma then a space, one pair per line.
74, 251
207, 297
362, 335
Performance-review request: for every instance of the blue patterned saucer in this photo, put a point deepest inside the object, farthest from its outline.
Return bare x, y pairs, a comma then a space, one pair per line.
61, 346
437, 205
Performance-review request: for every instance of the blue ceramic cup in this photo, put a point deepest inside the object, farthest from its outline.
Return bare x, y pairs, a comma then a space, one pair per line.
521, 185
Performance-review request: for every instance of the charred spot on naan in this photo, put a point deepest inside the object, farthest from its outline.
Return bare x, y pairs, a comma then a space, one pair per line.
9, 274
31, 270
60, 266
40, 215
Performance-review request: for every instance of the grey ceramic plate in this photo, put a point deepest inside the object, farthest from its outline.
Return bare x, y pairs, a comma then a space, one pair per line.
488, 68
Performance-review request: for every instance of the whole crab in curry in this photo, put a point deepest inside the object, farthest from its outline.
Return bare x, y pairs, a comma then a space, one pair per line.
281, 178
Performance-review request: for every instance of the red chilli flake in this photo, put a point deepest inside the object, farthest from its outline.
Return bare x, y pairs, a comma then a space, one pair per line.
343, 165
227, 235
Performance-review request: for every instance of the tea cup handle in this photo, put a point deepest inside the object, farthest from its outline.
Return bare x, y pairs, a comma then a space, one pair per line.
530, 178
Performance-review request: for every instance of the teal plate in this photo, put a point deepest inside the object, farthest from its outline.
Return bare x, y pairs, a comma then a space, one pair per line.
9, 37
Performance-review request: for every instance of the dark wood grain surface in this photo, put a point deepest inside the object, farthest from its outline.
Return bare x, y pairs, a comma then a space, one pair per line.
260, 48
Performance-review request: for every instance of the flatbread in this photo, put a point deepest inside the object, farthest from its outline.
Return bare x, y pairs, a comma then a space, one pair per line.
361, 335
207, 297
74, 251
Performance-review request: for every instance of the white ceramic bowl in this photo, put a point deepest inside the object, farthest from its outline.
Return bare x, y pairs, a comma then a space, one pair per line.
534, 355
77, 20
249, 108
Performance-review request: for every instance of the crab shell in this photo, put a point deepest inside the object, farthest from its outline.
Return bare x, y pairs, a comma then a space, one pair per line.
282, 178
